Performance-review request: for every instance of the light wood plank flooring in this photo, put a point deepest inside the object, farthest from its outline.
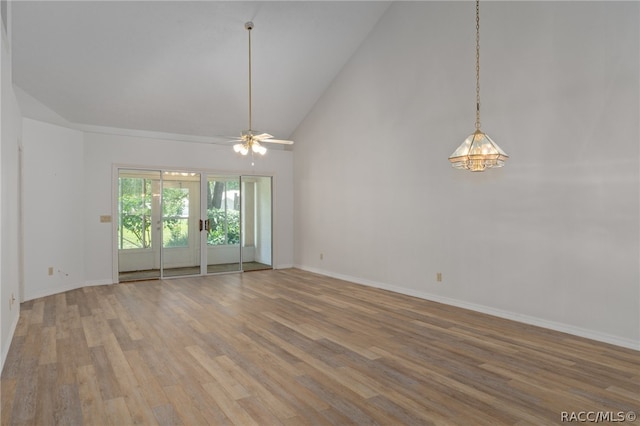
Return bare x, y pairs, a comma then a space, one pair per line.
290, 347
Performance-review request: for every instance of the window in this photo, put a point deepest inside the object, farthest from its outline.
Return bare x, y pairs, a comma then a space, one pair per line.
134, 227
175, 216
223, 212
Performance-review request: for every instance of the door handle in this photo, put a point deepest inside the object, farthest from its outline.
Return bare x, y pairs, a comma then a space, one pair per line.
207, 225
201, 225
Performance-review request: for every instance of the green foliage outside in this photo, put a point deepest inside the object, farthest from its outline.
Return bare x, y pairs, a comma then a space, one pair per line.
175, 213
224, 223
217, 234
135, 215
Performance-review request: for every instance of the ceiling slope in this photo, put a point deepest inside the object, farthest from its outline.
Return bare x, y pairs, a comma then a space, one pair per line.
181, 67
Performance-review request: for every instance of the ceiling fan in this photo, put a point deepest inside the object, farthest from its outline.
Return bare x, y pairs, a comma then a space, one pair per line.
250, 140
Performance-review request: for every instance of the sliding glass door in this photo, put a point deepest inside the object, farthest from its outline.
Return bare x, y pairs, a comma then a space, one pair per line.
138, 235
180, 223
256, 223
223, 224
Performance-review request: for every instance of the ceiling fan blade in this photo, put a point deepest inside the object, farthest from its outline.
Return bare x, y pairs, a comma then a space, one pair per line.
226, 140
280, 141
222, 140
262, 136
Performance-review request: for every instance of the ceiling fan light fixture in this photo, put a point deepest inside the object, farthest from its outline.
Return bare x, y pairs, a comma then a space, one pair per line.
257, 148
241, 148
250, 139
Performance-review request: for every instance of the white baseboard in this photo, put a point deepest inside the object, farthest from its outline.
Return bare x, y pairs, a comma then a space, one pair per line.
98, 282
526, 319
284, 266
56, 290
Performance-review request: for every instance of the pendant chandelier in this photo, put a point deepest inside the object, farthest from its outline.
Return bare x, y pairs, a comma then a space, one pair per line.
478, 152
250, 141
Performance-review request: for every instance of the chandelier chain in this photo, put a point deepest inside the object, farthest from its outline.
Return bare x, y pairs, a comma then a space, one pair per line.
477, 64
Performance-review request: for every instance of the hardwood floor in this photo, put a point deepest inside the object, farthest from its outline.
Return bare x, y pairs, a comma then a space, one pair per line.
290, 347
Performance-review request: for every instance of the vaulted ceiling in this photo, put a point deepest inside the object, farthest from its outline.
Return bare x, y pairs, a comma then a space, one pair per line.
182, 67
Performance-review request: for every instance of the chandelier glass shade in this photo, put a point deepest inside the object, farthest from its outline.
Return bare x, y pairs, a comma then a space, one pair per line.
477, 153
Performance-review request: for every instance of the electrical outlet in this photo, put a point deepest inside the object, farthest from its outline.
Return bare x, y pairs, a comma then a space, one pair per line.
321, 256
50, 270
439, 277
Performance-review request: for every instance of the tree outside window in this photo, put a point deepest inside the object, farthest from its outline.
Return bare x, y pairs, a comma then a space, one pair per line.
134, 227
223, 211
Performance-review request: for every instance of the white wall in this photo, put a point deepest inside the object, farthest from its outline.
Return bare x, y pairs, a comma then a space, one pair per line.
68, 186
102, 151
54, 175
9, 259
551, 239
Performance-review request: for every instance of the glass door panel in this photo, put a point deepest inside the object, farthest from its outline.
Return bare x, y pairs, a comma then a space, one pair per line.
138, 234
180, 224
223, 224
175, 223
256, 223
